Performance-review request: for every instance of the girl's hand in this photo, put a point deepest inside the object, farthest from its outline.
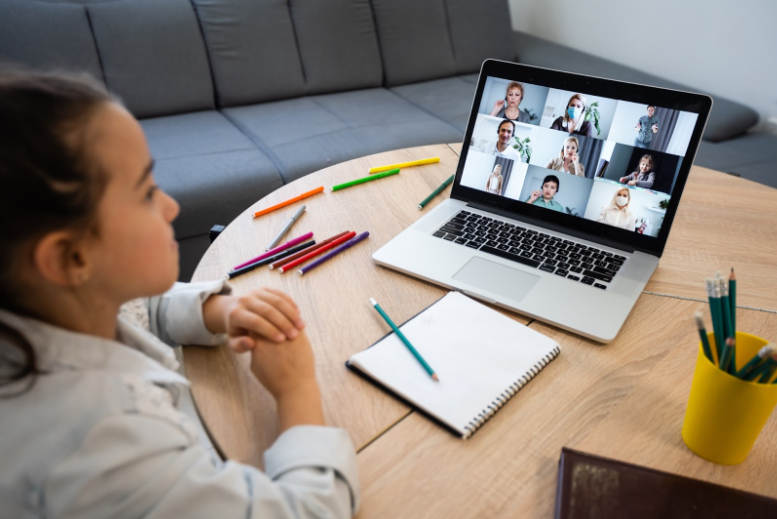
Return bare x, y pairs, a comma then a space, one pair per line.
263, 313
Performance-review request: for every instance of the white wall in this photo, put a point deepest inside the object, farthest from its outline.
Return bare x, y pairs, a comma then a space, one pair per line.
725, 48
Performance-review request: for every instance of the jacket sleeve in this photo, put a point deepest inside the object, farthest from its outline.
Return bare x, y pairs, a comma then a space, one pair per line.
176, 316
135, 465
649, 182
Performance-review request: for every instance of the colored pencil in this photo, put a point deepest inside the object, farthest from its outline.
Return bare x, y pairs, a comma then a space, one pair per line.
347, 245
764, 352
276, 250
358, 181
404, 165
286, 228
290, 201
436, 192
716, 320
316, 252
257, 264
725, 357
280, 263
732, 297
406, 342
705, 342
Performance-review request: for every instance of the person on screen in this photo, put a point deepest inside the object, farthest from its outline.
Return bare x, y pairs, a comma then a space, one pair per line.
503, 145
507, 108
568, 160
617, 212
544, 198
646, 127
573, 119
643, 176
494, 182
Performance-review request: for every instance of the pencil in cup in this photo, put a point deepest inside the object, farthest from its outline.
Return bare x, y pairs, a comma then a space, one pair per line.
404, 340
412, 163
316, 252
347, 245
281, 262
436, 192
362, 180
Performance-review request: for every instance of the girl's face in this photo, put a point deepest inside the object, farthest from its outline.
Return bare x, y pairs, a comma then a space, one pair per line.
644, 166
134, 254
570, 148
514, 97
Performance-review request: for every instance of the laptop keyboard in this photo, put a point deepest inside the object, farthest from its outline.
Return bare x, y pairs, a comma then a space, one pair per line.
574, 261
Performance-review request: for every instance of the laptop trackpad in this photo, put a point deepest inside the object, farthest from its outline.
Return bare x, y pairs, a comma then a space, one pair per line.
499, 279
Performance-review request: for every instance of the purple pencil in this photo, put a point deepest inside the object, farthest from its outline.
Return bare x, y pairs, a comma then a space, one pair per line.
276, 250
347, 245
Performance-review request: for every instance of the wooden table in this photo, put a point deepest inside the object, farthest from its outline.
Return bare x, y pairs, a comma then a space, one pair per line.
625, 400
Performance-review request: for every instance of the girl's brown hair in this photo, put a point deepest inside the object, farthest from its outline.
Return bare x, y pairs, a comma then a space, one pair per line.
48, 182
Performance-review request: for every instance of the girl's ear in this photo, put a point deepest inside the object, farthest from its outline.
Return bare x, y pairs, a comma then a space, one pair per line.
60, 258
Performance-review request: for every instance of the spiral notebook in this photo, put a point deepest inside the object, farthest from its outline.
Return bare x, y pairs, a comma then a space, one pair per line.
482, 358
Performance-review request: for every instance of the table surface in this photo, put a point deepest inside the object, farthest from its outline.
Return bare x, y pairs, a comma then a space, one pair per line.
625, 400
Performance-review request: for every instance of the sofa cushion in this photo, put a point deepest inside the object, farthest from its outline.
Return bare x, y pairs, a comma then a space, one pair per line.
310, 133
449, 99
270, 50
209, 167
153, 55
47, 36
745, 156
727, 119
440, 38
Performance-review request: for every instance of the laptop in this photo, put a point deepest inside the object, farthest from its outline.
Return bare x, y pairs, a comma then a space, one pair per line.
563, 199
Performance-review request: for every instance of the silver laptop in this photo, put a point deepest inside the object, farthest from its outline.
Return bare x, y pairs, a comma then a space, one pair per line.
564, 196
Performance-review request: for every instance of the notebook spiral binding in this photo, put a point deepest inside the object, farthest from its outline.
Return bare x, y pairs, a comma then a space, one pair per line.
502, 399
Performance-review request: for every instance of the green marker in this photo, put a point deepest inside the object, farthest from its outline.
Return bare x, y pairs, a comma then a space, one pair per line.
436, 192
363, 180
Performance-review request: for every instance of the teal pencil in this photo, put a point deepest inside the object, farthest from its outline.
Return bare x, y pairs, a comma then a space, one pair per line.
760, 370
728, 330
732, 296
705, 342
725, 357
764, 352
402, 337
715, 315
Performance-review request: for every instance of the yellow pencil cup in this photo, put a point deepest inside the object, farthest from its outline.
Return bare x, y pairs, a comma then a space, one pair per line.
725, 414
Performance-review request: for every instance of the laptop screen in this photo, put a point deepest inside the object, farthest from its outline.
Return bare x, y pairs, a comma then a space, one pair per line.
583, 152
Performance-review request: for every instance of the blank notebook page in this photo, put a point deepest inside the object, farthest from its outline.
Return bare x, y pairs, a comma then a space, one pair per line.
481, 357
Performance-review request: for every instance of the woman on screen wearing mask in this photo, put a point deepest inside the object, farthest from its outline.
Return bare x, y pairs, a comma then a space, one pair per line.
572, 120
617, 212
507, 108
494, 182
568, 160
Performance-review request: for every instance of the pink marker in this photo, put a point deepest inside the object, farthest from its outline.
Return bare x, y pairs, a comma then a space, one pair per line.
276, 250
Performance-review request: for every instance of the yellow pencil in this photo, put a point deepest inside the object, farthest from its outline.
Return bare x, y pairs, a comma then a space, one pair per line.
405, 165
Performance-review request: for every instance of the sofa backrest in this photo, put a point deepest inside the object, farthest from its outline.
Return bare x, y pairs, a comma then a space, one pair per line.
149, 52
429, 39
275, 49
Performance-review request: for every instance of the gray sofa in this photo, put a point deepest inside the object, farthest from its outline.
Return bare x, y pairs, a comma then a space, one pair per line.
238, 97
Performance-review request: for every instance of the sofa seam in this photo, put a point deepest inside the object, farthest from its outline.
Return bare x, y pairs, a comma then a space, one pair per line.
297, 45
96, 46
207, 53
384, 77
259, 144
426, 111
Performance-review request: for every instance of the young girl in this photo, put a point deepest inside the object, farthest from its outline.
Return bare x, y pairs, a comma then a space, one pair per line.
643, 176
94, 416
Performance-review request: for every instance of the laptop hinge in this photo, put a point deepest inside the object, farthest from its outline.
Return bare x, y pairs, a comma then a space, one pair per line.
560, 228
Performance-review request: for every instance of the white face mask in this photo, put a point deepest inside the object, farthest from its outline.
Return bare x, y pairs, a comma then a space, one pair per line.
621, 200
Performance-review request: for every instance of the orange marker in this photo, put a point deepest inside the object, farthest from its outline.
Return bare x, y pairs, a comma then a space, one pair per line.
290, 201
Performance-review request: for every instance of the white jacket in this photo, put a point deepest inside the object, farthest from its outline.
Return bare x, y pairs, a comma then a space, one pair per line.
102, 433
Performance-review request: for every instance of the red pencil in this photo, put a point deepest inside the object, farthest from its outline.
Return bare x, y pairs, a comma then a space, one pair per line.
282, 262
303, 259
